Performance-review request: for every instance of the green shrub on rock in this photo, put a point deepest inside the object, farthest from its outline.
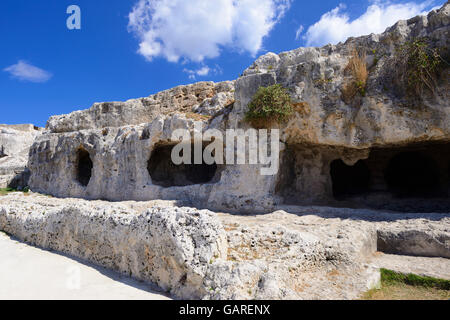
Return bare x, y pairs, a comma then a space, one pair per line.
269, 105
419, 64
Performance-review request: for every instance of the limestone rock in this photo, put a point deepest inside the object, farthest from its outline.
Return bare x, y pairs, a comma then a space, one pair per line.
197, 254
314, 253
214, 105
428, 267
401, 240
167, 246
315, 78
122, 139
15, 143
138, 111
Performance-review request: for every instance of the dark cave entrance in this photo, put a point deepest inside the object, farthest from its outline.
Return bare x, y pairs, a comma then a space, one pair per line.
411, 178
414, 178
2, 152
448, 178
349, 180
84, 167
413, 174
166, 174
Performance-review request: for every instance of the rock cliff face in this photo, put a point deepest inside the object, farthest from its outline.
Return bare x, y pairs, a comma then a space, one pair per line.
15, 143
204, 96
380, 146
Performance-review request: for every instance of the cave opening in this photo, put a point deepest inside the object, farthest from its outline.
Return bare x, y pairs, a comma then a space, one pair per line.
165, 173
84, 167
349, 180
2, 152
407, 178
448, 178
412, 178
413, 175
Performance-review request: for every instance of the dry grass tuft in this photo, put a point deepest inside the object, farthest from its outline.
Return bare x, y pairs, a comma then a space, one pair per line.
302, 108
406, 292
357, 69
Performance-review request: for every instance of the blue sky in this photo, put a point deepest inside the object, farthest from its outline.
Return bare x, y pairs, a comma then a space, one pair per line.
47, 69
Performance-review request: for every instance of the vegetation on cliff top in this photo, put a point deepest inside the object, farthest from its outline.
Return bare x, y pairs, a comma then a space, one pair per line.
418, 66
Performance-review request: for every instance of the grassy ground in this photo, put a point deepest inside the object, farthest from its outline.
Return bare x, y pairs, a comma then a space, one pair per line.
5, 191
396, 286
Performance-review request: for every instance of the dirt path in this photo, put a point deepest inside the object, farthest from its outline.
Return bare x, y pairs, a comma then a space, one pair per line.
30, 273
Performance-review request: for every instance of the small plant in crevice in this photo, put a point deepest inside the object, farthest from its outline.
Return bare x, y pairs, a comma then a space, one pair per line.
418, 66
357, 69
322, 82
269, 105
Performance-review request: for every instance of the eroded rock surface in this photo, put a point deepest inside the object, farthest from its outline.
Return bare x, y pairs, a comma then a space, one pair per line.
196, 254
331, 150
168, 246
204, 96
429, 267
15, 143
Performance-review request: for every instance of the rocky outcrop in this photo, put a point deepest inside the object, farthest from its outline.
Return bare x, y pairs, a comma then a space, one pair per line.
170, 247
333, 149
383, 115
197, 254
319, 253
426, 267
396, 239
203, 96
15, 143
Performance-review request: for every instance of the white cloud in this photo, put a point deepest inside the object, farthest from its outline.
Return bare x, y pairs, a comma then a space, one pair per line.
198, 29
299, 32
335, 25
27, 72
202, 72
